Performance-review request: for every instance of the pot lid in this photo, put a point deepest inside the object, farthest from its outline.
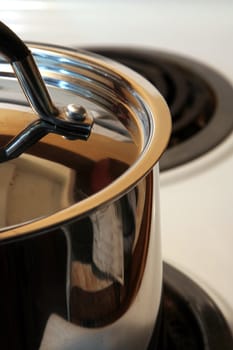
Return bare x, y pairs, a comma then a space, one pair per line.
59, 177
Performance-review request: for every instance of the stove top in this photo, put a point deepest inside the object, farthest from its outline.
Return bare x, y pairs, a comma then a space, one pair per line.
191, 318
199, 98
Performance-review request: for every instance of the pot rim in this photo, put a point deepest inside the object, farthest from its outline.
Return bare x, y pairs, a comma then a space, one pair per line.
156, 142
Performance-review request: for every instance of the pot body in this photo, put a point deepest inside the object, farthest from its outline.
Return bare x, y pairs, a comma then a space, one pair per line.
80, 259
60, 290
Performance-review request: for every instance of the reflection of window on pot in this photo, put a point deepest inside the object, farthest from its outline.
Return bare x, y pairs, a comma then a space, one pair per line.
106, 258
105, 241
31, 188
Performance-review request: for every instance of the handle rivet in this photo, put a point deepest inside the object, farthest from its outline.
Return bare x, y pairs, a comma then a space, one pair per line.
77, 113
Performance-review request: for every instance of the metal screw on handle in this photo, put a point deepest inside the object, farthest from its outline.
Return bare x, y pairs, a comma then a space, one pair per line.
77, 113
72, 122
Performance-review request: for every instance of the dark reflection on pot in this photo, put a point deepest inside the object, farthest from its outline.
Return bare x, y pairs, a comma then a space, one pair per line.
33, 280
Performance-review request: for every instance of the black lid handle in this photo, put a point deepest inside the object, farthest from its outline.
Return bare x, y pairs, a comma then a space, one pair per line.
51, 119
12, 47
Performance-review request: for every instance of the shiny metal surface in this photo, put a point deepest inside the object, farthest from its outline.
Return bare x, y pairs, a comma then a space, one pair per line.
79, 237
34, 87
76, 275
75, 112
52, 119
129, 114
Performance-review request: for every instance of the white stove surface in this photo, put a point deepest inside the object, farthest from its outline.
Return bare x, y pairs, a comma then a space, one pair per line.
197, 198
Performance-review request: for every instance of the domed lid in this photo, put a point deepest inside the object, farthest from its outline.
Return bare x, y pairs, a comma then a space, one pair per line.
96, 132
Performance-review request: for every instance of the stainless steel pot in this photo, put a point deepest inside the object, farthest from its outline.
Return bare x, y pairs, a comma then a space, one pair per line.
80, 258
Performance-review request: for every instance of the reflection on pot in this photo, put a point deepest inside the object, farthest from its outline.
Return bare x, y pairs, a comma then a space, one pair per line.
101, 258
